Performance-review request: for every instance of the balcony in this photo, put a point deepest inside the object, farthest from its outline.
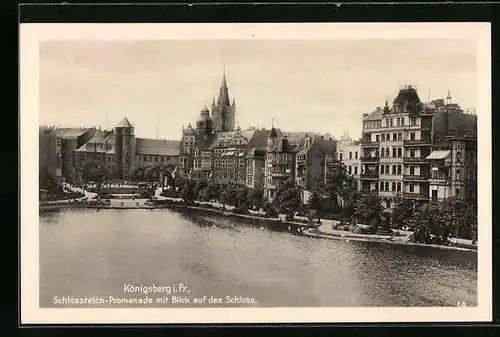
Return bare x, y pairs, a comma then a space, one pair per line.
420, 142
370, 144
369, 175
417, 160
278, 174
411, 177
368, 159
419, 196
440, 181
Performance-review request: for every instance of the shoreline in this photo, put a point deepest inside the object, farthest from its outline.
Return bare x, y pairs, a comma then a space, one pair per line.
299, 228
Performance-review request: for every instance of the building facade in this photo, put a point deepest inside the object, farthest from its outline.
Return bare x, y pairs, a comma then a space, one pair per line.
118, 149
49, 163
349, 153
398, 143
279, 164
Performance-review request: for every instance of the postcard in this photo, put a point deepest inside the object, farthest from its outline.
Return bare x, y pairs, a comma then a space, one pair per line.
255, 173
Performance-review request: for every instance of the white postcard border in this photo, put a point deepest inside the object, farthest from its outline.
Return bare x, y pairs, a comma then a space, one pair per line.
32, 34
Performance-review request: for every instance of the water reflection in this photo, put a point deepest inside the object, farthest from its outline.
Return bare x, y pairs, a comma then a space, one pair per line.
93, 253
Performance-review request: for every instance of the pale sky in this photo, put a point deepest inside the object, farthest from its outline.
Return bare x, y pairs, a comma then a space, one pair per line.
306, 85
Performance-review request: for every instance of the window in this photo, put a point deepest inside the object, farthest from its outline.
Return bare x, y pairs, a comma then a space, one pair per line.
387, 186
391, 121
394, 136
458, 155
400, 136
387, 152
402, 121
356, 155
412, 170
394, 186
399, 187
394, 152
382, 169
340, 154
350, 155
412, 136
377, 138
413, 121
399, 122
387, 167
349, 169
355, 169
400, 152
412, 188
412, 153
399, 169
383, 137
382, 153
394, 169
381, 185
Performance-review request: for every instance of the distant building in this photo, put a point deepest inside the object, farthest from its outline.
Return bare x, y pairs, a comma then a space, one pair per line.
349, 153
68, 141
279, 164
398, 141
311, 166
49, 164
119, 149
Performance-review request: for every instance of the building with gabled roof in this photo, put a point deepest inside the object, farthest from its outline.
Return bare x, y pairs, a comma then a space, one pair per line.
119, 150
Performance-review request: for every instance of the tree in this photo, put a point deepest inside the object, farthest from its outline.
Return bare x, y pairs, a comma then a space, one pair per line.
314, 202
242, 199
151, 172
256, 197
424, 224
228, 195
336, 177
350, 196
402, 212
288, 198
188, 191
368, 210
96, 172
460, 215
213, 190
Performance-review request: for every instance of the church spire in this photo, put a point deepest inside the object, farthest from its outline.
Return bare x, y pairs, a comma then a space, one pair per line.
223, 93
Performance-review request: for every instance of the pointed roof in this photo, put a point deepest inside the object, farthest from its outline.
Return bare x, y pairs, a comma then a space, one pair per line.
223, 93
124, 123
273, 134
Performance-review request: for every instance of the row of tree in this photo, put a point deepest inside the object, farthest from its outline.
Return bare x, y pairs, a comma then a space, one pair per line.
452, 217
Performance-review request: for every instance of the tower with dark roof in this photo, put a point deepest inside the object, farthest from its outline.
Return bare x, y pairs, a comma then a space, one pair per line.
124, 148
204, 124
223, 112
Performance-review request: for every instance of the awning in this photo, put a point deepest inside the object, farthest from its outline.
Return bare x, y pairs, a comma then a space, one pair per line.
441, 154
230, 153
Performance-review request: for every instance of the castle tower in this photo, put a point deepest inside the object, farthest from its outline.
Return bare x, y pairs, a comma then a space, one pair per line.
223, 112
124, 148
204, 124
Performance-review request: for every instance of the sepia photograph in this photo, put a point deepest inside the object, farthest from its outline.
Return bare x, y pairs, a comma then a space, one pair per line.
236, 173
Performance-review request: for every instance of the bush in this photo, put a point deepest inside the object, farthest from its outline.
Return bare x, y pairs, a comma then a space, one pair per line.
240, 210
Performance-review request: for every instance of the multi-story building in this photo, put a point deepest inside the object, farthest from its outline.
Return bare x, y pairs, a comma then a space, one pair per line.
397, 144
279, 165
453, 160
119, 149
311, 165
49, 168
349, 153
68, 141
